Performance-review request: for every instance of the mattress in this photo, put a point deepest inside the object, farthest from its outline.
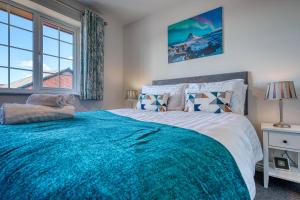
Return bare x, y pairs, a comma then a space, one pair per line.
234, 131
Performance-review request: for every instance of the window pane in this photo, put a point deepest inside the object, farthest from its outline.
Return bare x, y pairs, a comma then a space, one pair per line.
21, 59
3, 34
20, 79
3, 56
66, 64
21, 18
50, 80
21, 38
50, 31
66, 81
50, 46
50, 64
3, 13
66, 50
67, 37
3, 77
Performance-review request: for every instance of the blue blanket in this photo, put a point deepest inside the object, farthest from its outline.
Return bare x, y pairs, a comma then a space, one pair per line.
100, 155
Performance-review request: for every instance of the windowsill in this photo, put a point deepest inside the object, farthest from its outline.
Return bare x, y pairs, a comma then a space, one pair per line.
43, 91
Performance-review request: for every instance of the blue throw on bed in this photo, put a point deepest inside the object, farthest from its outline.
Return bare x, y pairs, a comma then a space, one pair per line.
100, 155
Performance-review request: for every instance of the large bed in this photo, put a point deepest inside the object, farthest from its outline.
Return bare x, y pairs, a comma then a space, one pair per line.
132, 154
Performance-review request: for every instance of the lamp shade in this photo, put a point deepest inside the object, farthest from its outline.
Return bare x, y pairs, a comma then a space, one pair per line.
132, 94
281, 90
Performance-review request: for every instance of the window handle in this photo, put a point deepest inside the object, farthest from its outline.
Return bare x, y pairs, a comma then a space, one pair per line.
285, 141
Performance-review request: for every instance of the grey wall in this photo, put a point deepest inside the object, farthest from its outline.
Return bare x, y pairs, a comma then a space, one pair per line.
113, 60
260, 36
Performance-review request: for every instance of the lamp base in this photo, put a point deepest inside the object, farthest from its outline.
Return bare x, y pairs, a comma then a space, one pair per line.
282, 125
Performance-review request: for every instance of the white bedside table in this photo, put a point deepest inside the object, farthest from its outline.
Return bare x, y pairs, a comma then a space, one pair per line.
287, 139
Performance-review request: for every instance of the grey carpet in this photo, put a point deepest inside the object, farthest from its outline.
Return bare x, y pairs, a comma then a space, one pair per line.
278, 189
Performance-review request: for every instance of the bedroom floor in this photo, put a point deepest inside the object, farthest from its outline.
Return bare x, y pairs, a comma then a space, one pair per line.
278, 189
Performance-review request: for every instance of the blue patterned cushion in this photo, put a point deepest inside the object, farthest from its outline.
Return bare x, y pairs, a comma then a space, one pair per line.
214, 102
158, 103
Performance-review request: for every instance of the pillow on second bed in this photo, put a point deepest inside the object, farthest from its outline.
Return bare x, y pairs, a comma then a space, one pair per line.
152, 102
213, 102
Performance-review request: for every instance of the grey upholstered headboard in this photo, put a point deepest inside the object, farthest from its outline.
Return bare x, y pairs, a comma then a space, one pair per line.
207, 79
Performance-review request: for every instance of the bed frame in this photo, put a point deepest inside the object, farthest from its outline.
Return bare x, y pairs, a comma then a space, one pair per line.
208, 79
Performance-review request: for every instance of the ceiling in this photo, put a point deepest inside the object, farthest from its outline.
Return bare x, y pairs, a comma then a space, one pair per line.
128, 11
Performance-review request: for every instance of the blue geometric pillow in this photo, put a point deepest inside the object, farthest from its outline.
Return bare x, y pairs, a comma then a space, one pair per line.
158, 103
213, 102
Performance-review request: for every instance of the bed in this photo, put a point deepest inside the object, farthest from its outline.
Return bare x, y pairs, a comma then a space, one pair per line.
131, 154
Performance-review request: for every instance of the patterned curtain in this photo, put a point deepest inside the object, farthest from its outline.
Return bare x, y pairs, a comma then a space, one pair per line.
92, 56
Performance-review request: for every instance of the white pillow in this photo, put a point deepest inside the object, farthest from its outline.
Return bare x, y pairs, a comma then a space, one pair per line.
176, 92
236, 85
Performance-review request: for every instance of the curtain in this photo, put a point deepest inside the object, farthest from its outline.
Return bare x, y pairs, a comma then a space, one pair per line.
92, 56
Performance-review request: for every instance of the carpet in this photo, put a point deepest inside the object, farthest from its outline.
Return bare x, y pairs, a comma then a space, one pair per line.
278, 189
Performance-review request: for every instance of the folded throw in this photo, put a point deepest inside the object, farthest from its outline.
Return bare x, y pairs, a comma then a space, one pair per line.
46, 100
70, 99
26, 113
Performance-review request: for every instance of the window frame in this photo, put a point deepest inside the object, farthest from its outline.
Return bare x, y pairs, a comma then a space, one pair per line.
37, 59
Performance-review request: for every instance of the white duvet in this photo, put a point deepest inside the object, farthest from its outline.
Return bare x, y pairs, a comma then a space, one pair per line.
234, 131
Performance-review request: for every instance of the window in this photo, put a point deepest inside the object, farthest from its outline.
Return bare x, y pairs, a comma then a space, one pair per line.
57, 56
37, 53
16, 54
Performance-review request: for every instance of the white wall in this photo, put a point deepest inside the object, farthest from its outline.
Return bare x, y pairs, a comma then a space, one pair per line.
260, 36
113, 63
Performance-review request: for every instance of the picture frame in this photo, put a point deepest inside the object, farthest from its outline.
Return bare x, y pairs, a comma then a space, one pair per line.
282, 163
197, 37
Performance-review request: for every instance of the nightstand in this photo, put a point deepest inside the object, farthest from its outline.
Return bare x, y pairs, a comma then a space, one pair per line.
287, 139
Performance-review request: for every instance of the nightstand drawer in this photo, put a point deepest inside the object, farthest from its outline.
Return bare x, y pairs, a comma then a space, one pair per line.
284, 140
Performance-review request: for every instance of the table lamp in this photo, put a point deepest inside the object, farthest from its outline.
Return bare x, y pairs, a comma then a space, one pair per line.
132, 96
283, 90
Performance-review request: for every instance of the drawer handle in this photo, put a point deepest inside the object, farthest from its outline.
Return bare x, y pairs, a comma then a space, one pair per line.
285, 141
